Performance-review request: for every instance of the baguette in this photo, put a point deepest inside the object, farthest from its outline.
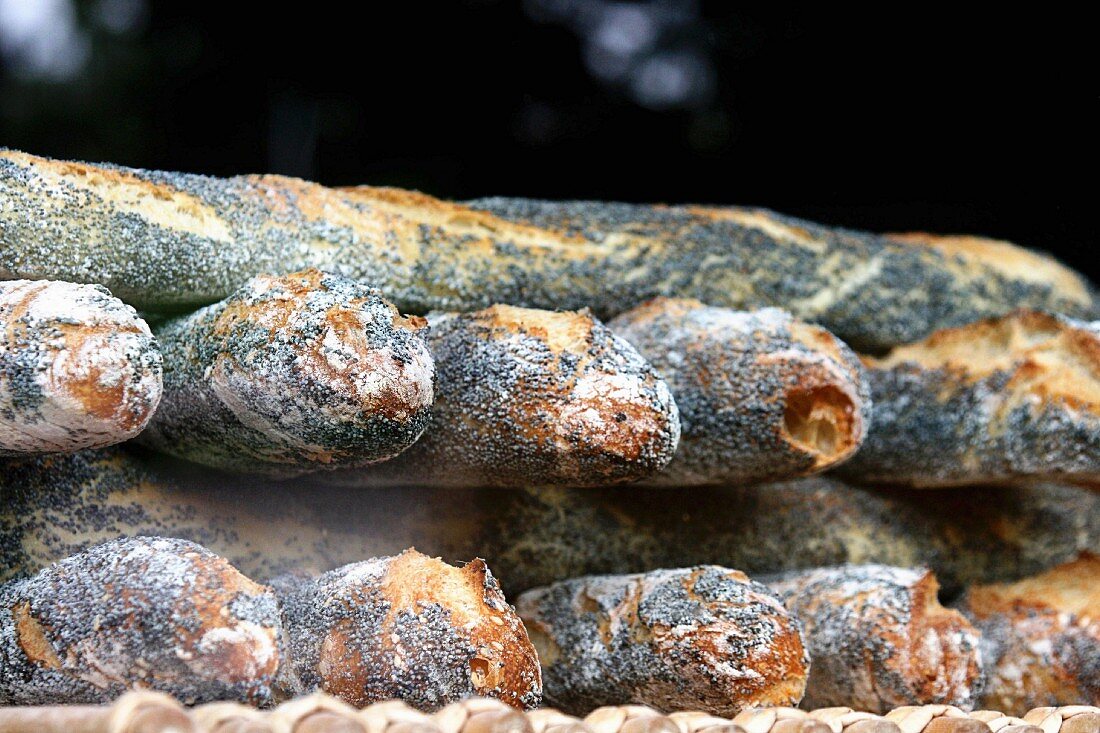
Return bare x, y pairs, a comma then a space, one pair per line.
879, 638
135, 712
174, 240
293, 374
409, 627
57, 505
1015, 398
703, 638
534, 398
481, 715
761, 395
78, 368
1040, 637
150, 612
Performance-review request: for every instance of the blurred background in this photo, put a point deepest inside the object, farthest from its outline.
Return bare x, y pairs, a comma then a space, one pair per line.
898, 118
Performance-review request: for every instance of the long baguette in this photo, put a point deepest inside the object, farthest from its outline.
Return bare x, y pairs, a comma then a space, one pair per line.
879, 638
409, 627
78, 368
761, 395
1011, 398
705, 637
534, 398
1040, 637
145, 612
56, 505
173, 240
293, 374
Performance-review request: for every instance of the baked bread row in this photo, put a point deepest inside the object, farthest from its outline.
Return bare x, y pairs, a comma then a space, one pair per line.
149, 712
57, 505
169, 615
164, 241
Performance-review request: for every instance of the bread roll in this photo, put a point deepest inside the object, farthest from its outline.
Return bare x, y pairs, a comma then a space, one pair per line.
78, 368
1007, 399
534, 398
1040, 637
148, 612
58, 505
879, 638
293, 374
703, 638
173, 240
761, 395
413, 628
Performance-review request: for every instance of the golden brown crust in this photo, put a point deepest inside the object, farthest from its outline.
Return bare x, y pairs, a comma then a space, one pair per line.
879, 638
414, 628
704, 637
1041, 637
1004, 399
143, 612
529, 397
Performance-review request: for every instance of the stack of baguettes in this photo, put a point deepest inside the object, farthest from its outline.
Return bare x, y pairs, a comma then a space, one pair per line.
725, 463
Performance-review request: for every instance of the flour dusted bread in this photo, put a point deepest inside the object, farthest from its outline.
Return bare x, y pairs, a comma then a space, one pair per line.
146, 612
1040, 637
78, 368
293, 374
704, 638
57, 505
761, 395
534, 398
413, 628
169, 240
1011, 398
879, 638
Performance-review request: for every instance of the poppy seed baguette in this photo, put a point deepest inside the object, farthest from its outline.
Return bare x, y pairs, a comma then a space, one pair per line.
879, 638
761, 395
174, 240
293, 374
78, 368
1015, 398
56, 505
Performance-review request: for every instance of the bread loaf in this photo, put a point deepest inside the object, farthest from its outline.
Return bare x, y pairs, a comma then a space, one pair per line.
173, 240
78, 368
879, 638
146, 612
413, 628
703, 638
534, 398
1040, 637
56, 505
761, 395
293, 374
1007, 399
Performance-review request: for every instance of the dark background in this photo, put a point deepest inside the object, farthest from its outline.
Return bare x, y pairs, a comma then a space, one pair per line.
897, 119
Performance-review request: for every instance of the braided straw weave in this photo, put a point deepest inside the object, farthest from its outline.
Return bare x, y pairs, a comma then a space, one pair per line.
152, 712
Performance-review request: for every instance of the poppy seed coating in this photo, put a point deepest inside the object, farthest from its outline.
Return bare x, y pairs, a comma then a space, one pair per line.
293, 374
761, 395
78, 368
172, 240
703, 638
150, 612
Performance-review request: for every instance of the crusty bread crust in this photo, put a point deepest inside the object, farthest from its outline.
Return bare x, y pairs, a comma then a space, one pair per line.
55, 506
171, 240
529, 397
879, 638
163, 614
1011, 398
761, 395
293, 374
704, 638
1041, 637
78, 368
413, 628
